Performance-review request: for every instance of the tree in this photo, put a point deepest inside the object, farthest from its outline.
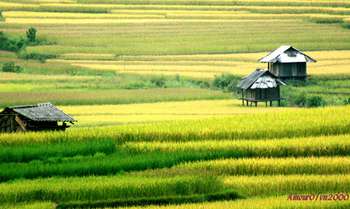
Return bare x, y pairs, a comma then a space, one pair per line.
31, 34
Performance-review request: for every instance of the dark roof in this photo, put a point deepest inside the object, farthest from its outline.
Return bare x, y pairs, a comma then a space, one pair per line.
280, 55
41, 112
249, 80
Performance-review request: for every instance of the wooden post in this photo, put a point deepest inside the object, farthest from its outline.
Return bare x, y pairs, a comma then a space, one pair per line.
256, 104
265, 103
270, 103
279, 102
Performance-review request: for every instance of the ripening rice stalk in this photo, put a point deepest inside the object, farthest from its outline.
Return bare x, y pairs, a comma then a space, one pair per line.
305, 146
104, 187
288, 184
288, 123
265, 166
30, 205
280, 202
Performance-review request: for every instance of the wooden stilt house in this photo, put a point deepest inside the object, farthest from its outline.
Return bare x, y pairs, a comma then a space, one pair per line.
286, 62
260, 86
39, 117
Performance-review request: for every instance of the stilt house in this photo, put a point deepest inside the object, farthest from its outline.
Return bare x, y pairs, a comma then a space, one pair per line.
286, 62
260, 86
39, 117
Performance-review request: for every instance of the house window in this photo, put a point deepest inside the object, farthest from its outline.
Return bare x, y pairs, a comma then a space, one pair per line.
291, 53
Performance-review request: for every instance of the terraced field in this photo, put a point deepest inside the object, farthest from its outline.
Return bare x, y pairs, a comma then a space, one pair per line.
154, 131
194, 157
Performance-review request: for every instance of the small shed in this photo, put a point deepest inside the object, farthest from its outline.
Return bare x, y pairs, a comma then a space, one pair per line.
260, 86
39, 117
287, 62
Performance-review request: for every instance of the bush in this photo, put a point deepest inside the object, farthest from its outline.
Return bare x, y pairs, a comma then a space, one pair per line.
300, 100
11, 44
37, 56
226, 82
315, 101
11, 67
347, 101
159, 81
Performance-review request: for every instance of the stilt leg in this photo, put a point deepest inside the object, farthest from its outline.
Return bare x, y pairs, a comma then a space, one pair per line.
270, 103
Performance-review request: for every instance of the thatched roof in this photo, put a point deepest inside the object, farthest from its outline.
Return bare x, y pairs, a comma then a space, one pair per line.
260, 79
286, 54
41, 112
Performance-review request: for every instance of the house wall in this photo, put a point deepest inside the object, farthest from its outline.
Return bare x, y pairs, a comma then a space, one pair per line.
8, 123
42, 126
288, 70
262, 94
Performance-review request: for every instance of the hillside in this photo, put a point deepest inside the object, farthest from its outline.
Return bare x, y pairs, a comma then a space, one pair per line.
152, 85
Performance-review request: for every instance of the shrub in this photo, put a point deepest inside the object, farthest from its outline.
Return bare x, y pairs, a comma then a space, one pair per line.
347, 101
226, 82
300, 100
315, 101
37, 56
159, 81
11, 44
31, 34
11, 67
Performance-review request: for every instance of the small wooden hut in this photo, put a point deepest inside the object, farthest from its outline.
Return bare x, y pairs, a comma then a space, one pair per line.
287, 62
39, 117
260, 86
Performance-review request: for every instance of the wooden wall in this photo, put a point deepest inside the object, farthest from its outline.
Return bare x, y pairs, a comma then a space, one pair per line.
8, 123
288, 70
263, 94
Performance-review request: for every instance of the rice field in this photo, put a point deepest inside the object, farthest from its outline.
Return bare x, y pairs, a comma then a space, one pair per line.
152, 130
207, 66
